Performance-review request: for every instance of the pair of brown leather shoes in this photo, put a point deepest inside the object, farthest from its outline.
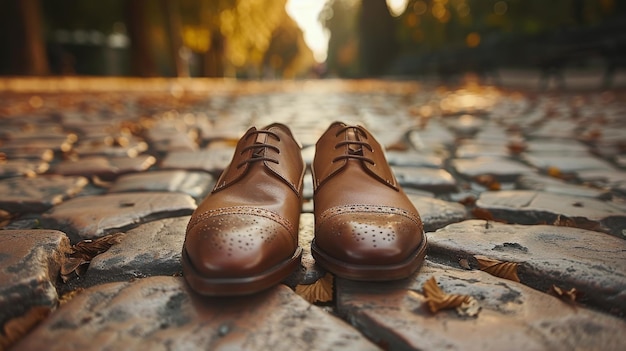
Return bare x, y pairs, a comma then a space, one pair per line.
243, 238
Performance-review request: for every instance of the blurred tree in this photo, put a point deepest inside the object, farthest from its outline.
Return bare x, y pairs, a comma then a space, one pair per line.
142, 59
377, 33
288, 56
23, 37
340, 17
237, 34
178, 52
229, 37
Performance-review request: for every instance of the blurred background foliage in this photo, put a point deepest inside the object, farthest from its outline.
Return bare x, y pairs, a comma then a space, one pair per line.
258, 39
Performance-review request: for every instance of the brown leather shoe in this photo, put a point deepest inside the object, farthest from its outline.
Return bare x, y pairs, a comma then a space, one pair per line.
243, 238
365, 226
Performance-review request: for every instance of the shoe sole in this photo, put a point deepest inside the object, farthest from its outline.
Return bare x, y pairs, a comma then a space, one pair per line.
238, 286
353, 271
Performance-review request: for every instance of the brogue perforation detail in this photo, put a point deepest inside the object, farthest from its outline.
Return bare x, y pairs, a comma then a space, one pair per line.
243, 210
338, 210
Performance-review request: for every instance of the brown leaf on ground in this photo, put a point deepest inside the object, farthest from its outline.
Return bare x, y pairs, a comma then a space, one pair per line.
97, 181
399, 145
481, 213
437, 300
564, 221
464, 263
569, 296
554, 172
320, 291
65, 298
517, 147
83, 252
506, 270
5, 218
488, 181
16, 328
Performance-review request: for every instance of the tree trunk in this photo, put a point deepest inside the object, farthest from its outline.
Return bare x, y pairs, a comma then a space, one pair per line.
172, 19
213, 65
142, 60
31, 53
378, 45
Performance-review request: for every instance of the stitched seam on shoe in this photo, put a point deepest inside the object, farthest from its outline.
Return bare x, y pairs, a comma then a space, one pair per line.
243, 210
338, 210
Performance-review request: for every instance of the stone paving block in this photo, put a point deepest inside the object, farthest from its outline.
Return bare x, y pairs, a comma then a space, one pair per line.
614, 180
212, 160
592, 262
308, 154
195, 184
512, 316
36, 146
620, 161
540, 182
160, 313
492, 133
413, 159
474, 149
464, 125
121, 146
567, 164
164, 140
432, 138
153, 248
560, 147
531, 207
30, 261
31, 154
502, 168
37, 194
309, 272
90, 217
18, 168
107, 168
556, 128
429, 179
437, 213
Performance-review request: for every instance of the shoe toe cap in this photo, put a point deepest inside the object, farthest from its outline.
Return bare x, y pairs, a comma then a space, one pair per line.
232, 246
369, 238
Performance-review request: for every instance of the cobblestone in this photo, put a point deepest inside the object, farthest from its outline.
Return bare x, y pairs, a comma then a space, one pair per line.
534, 181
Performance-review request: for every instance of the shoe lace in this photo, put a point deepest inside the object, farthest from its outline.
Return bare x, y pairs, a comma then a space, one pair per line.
258, 154
354, 153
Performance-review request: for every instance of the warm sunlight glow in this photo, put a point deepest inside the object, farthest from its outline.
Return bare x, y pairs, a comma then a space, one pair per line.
306, 13
397, 7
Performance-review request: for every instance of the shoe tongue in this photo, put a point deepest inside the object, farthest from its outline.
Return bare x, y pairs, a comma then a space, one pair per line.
353, 149
260, 139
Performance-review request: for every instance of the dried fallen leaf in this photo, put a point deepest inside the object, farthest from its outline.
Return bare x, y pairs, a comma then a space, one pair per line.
5, 218
506, 270
569, 296
65, 298
516, 147
488, 181
16, 328
464, 263
97, 181
563, 221
320, 291
437, 300
469, 308
482, 213
399, 145
554, 172
83, 252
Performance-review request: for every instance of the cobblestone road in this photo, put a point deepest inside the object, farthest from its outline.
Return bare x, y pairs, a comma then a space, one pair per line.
523, 196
